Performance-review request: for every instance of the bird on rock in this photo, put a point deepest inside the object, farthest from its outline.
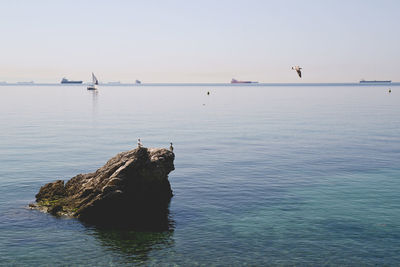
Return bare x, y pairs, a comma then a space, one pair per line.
139, 143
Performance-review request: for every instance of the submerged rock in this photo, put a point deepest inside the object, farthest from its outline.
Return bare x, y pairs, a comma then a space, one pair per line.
132, 188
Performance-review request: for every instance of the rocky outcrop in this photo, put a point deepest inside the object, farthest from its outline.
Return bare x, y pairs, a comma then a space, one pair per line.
132, 188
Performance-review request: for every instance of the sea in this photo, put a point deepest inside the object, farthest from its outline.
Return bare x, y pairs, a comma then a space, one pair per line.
265, 175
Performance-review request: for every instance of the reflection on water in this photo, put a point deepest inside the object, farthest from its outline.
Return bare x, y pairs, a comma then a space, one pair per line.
144, 218
95, 95
134, 246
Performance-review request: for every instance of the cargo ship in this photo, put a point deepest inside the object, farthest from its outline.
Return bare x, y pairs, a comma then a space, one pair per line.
236, 81
65, 80
25, 83
375, 81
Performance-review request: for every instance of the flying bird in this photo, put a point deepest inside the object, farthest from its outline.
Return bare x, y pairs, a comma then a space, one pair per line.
298, 70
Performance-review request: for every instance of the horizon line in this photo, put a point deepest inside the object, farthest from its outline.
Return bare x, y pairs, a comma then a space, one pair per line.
208, 84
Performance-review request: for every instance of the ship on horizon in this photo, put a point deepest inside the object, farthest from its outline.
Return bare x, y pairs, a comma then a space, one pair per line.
114, 83
237, 81
26, 83
65, 80
375, 81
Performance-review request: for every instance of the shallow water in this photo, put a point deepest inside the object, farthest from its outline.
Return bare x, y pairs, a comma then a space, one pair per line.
286, 175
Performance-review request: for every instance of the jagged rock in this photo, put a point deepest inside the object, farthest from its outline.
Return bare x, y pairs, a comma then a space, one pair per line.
132, 188
52, 190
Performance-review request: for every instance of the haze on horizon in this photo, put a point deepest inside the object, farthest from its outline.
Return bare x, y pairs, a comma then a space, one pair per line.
199, 41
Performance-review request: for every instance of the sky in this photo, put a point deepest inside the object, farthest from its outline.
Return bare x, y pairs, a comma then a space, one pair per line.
199, 41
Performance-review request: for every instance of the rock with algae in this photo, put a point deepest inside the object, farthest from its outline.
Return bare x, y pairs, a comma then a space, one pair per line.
132, 188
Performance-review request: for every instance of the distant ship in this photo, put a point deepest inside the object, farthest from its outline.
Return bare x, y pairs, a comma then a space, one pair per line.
375, 81
236, 81
25, 83
114, 83
65, 80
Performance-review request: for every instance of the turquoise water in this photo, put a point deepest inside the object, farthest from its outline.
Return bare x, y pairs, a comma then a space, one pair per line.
288, 175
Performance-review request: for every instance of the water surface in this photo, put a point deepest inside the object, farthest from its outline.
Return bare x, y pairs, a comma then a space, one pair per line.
285, 175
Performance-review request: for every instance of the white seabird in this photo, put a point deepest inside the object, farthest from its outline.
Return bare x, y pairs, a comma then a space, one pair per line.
139, 143
298, 70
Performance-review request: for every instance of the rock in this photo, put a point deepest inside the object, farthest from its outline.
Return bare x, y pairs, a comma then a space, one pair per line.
132, 188
52, 191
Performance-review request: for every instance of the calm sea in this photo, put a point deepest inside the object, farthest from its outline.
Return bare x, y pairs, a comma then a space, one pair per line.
265, 175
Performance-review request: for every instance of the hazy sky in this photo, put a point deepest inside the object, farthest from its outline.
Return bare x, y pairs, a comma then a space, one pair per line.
199, 41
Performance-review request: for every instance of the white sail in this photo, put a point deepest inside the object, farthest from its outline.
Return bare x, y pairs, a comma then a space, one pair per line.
95, 81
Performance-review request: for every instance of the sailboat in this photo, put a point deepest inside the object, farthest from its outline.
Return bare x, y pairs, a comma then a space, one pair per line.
94, 83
